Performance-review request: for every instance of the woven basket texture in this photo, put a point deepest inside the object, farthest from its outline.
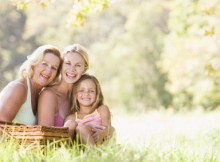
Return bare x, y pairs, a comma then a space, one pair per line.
33, 133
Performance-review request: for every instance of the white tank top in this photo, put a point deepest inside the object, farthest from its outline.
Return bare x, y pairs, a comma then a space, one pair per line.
25, 114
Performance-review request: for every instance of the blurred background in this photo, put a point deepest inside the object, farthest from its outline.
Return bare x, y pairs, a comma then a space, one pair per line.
147, 54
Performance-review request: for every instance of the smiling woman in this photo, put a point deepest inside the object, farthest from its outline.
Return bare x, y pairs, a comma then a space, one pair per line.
47, 68
55, 101
19, 97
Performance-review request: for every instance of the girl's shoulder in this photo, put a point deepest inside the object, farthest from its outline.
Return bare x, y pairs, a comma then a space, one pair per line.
103, 109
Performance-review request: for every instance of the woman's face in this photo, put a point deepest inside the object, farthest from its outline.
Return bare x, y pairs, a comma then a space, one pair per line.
46, 70
73, 67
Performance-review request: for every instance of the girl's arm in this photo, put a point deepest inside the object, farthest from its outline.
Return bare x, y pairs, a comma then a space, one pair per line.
12, 98
105, 114
47, 104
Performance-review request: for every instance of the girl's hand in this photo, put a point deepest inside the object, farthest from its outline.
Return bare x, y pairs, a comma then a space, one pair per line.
98, 135
95, 128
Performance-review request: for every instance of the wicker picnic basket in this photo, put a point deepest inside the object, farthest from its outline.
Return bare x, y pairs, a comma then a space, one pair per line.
29, 134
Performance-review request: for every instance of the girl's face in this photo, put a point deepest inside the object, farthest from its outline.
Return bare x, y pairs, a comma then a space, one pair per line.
73, 67
86, 93
46, 70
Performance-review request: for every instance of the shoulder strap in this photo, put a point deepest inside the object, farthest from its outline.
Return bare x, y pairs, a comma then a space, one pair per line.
76, 117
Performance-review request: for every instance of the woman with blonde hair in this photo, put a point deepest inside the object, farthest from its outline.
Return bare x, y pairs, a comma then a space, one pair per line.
19, 97
55, 101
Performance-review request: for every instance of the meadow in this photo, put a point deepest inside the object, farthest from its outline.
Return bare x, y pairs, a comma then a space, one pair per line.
150, 136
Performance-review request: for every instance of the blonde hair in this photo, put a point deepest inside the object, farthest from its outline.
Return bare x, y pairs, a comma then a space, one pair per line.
27, 68
99, 95
77, 48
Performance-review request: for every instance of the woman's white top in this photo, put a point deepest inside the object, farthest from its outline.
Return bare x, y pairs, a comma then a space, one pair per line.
25, 114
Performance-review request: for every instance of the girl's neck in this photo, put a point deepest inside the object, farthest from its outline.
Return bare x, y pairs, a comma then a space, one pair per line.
86, 110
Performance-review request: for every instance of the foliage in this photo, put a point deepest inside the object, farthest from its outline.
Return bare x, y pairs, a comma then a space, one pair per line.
179, 149
190, 57
82, 7
13, 45
76, 14
22, 4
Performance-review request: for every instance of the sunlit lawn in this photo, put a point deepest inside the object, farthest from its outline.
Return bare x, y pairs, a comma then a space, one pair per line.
137, 129
150, 136
168, 136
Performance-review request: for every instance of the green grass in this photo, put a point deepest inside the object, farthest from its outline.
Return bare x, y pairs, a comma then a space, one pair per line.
153, 137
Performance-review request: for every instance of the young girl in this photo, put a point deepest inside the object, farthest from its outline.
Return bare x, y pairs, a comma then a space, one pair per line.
91, 118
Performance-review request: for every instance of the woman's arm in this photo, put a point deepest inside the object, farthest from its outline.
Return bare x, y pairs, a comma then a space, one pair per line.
71, 124
12, 98
47, 105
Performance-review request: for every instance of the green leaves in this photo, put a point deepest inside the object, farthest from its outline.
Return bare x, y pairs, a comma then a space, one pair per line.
190, 56
23, 4
82, 7
78, 12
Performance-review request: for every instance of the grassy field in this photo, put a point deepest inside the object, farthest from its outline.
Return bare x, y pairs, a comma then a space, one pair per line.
143, 127
153, 136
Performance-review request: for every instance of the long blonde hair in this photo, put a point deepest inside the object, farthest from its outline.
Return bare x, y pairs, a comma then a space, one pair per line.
80, 50
99, 95
27, 68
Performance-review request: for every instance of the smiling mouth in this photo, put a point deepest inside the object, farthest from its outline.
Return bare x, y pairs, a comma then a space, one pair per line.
71, 75
45, 76
86, 99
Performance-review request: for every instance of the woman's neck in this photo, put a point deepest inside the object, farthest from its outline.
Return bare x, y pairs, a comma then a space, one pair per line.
35, 88
64, 88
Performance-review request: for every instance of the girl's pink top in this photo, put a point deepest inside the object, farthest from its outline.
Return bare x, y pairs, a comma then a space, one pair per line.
59, 121
90, 119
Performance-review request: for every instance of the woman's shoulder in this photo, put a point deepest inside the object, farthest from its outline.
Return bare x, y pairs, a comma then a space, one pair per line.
15, 90
17, 85
53, 90
70, 117
48, 92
